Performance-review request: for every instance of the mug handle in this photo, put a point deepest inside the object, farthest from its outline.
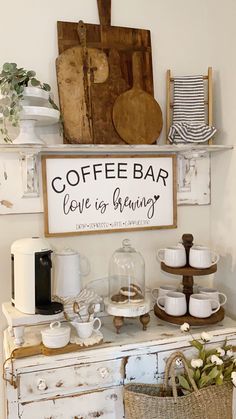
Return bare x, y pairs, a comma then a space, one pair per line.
85, 265
162, 307
224, 298
153, 291
99, 324
214, 257
161, 259
55, 325
213, 302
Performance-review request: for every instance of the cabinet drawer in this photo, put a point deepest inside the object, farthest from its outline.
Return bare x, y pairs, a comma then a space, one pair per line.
104, 404
72, 379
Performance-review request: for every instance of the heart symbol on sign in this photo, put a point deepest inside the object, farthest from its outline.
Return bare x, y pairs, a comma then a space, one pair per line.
156, 197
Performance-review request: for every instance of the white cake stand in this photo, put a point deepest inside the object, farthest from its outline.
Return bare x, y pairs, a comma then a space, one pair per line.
120, 311
32, 116
35, 112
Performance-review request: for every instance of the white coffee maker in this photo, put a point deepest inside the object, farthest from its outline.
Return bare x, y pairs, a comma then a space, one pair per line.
31, 277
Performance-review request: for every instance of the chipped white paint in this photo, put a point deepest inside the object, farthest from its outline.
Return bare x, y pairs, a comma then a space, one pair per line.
89, 383
104, 404
15, 185
141, 369
69, 380
194, 179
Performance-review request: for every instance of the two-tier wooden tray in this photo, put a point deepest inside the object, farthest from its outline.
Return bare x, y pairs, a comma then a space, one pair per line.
187, 272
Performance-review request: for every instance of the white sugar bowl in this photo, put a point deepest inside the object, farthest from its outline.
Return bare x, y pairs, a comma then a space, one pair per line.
56, 335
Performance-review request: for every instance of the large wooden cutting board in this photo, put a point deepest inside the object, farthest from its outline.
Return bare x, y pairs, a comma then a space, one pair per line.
107, 38
78, 126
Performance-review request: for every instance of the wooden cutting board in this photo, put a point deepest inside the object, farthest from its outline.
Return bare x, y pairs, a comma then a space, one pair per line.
74, 93
103, 100
106, 38
136, 114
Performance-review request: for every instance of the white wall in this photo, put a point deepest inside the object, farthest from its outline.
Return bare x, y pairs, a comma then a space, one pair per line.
223, 208
187, 37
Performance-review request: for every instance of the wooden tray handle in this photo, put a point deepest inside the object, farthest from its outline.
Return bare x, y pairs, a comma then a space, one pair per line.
104, 11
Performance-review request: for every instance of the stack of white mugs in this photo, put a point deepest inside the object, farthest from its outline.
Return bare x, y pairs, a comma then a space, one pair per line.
204, 301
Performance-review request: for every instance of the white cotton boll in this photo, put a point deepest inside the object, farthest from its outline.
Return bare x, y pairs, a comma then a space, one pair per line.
206, 336
184, 327
197, 363
229, 353
220, 351
216, 360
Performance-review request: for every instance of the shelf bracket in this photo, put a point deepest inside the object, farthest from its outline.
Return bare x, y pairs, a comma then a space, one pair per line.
194, 178
30, 174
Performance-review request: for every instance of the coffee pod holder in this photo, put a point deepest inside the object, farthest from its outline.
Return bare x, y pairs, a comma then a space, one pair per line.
187, 272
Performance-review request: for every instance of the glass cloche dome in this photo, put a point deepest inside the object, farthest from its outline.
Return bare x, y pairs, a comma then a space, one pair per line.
126, 276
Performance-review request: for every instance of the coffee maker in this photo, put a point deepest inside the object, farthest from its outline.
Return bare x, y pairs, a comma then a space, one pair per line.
31, 277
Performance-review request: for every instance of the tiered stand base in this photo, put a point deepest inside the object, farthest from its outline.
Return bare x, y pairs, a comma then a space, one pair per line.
192, 321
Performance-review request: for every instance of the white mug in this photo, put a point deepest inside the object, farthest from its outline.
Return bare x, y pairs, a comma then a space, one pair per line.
85, 329
174, 256
173, 303
202, 306
201, 257
214, 293
162, 290
70, 266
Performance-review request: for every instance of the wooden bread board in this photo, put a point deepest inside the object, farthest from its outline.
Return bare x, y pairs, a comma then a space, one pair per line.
107, 39
25, 351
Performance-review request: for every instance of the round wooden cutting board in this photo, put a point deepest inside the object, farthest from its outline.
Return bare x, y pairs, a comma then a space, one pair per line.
137, 116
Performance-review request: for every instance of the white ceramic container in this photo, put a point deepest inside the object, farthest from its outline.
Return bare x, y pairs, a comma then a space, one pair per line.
173, 303
56, 335
201, 257
85, 329
174, 256
202, 306
70, 266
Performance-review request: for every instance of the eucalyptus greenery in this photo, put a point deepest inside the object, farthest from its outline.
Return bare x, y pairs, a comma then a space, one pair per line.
13, 80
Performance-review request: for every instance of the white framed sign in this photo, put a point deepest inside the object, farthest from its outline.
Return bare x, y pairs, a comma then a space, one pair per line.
85, 194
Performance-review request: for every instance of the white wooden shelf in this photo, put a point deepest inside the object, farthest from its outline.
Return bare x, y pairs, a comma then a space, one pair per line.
113, 149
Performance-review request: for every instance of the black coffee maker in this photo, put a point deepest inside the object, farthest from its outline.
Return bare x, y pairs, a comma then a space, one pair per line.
31, 277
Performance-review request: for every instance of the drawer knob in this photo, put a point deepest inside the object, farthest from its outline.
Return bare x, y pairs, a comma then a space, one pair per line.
179, 363
42, 385
104, 372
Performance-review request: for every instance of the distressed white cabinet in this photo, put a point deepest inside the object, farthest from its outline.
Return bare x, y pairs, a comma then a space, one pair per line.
89, 383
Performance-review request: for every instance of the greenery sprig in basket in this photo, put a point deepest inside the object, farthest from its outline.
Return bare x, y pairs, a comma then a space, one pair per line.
210, 366
13, 81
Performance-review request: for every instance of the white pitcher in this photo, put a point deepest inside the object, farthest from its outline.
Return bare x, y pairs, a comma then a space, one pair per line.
69, 266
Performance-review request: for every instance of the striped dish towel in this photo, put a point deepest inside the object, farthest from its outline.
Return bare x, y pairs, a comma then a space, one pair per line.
189, 112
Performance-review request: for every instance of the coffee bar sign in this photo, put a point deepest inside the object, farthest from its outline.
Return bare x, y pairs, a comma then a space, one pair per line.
84, 194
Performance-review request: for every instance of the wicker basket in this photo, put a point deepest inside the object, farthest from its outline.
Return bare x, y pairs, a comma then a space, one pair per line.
150, 401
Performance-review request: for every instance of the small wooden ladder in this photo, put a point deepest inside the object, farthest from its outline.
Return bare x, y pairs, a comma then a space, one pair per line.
169, 100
